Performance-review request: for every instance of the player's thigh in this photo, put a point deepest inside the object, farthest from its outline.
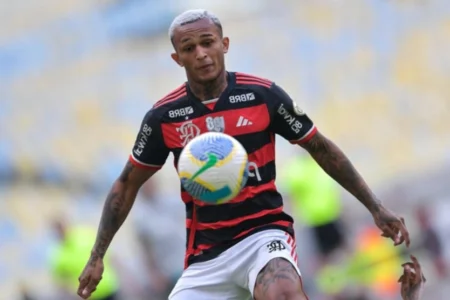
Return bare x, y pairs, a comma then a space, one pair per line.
279, 279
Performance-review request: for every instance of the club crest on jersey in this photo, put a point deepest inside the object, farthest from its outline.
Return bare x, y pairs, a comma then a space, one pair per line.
188, 131
216, 124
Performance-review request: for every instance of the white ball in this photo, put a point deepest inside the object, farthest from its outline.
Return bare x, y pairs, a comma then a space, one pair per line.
213, 167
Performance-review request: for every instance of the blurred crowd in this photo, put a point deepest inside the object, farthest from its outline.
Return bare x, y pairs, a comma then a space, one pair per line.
76, 78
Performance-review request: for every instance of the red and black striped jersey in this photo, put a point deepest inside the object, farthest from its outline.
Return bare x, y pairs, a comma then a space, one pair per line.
252, 110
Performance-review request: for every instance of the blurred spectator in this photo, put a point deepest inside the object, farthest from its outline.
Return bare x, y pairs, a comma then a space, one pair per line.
373, 268
431, 241
25, 293
160, 226
315, 200
69, 258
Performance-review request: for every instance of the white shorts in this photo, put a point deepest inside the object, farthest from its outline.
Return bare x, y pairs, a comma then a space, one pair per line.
232, 275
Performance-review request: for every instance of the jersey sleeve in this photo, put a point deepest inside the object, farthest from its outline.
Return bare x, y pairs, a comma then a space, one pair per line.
149, 150
287, 118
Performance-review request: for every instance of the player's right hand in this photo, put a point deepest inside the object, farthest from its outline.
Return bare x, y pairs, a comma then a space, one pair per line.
412, 281
90, 277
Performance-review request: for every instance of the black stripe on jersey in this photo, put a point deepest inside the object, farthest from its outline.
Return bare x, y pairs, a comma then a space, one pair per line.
189, 209
230, 211
216, 250
216, 236
267, 173
254, 141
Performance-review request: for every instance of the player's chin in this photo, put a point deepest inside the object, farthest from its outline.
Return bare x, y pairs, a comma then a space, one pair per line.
210, 75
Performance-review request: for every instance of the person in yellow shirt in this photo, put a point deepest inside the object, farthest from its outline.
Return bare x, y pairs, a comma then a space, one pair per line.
315, 201
68, 259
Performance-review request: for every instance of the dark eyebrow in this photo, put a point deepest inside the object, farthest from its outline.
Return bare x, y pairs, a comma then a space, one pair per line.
202, 36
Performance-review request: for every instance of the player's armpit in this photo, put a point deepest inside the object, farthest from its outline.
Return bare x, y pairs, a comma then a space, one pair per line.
336, 164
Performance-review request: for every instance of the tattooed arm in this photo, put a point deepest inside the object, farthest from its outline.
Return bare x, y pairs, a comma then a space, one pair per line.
336, 164
116, 208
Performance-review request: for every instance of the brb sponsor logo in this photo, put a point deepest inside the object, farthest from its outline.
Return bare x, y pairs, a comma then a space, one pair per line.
295, 125
143, 139
181, 112
242, 98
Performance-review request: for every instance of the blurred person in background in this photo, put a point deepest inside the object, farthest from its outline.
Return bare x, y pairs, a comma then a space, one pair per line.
431, 242
372, 267
159, 223
315, 201
264, 248
74, 244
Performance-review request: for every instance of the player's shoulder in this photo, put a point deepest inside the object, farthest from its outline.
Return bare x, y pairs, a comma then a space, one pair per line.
252, 81
176, 96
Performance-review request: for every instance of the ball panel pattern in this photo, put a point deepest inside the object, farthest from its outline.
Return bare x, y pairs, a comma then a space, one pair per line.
213, 168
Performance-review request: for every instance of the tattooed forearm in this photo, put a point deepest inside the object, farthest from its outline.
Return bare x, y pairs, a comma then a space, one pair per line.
277, 269
334, 162
117, 206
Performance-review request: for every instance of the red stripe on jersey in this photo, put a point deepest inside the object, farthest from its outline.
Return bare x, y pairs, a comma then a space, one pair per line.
175, 94
279, 223
245, 76
252, 191
190, 242
307, 137
139, 164
252, 82
247, 193
262, 156
237, 122
186, 197
237, 221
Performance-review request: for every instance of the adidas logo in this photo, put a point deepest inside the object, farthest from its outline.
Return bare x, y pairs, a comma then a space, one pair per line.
243, 122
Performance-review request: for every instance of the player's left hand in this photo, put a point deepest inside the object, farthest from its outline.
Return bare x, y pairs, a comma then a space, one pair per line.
412, 281
391, 225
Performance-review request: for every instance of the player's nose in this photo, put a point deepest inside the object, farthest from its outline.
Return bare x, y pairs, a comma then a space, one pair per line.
201, 53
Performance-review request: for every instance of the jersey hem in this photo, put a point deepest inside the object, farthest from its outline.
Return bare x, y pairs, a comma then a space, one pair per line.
140, 164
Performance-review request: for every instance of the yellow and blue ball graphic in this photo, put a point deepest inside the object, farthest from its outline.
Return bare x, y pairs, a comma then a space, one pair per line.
213, 167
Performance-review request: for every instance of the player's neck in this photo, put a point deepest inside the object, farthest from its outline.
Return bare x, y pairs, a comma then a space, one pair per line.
209, 90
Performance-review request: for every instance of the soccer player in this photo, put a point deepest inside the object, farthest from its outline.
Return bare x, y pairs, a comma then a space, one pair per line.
244, 248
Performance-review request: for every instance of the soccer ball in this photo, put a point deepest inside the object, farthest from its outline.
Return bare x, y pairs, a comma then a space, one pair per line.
213, 167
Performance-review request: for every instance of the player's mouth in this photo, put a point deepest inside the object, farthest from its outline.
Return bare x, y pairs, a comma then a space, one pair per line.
206, 67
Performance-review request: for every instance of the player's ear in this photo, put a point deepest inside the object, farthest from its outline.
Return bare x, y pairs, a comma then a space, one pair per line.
226, 44
176, 59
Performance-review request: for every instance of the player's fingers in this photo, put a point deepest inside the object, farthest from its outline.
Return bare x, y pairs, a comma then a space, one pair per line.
415, 262
90, 288
409, 275
385, 235
418, 269
404, 232
388, 232
402, 278
392, 231
83, 283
